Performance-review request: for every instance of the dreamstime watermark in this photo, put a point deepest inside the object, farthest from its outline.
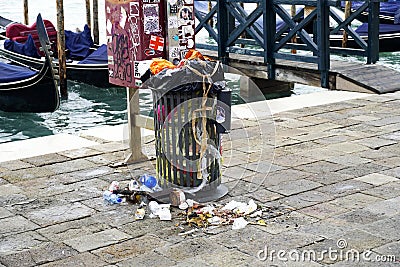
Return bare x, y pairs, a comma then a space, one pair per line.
339, 253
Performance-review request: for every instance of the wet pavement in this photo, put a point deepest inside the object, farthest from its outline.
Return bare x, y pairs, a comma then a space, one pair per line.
327, 178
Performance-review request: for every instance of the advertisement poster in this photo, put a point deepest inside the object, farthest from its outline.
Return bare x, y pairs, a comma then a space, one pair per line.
135, 34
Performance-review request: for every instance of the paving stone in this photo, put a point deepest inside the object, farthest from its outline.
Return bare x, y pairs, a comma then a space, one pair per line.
363, 169
82, 175
383, 228
14, 165
155, 259
97, 240
45, 159
348, 147
239, 188
58, 214
43, 253
386, 191
248, 240
263, 195
375, 142
356, 218
376, 154
292, 240
392, 136
226, 258
16, 224
354, 201
108, 158
70, 166
237, 172
390, 162
9, 189
28, 174
72, 229
329, 178
320, 167
110, 147
286, 175
333, 138
19, 242
349, 160
388, 207
365, 118
391, 251
361, 240
11, 194
323, 210
287, 222
21, 258
306, 199
192, 247
294, 187
377, 179
312, 136
79, 153
327, 228
83, 259
262, 167
4, 213
130, 248
293, 160
345, 188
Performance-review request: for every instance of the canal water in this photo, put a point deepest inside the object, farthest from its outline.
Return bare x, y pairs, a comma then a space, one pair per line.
88, 106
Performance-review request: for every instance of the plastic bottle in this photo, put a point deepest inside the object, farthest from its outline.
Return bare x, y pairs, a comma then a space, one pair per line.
148, 180
111, 197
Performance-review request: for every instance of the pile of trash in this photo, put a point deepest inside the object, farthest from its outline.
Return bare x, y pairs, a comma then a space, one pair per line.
146, 194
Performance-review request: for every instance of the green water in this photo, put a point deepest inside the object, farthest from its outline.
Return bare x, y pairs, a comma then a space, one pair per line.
88, 106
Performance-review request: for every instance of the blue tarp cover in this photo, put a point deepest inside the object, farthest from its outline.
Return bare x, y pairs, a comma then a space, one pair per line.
383, 28
390, 8
27, 49
78, 44
97, 57
12, 73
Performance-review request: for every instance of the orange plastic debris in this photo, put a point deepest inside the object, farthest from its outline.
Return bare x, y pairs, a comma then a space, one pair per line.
159, 64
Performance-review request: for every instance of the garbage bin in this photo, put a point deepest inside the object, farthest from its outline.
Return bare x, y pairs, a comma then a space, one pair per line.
186, 105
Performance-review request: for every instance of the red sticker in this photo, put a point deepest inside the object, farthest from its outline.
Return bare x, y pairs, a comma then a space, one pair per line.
156, 43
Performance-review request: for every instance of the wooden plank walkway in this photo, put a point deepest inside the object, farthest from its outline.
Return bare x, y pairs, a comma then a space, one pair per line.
343, 75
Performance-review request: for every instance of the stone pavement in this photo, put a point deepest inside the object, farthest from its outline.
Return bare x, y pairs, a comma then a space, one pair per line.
332, 193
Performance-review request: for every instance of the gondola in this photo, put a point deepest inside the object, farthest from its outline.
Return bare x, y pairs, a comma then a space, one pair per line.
23, 89
91, 69
389, 12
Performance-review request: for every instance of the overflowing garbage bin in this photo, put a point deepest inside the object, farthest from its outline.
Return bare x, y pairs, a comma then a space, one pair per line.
191, 107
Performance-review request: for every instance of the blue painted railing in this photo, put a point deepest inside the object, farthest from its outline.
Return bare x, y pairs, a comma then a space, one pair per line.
256, 31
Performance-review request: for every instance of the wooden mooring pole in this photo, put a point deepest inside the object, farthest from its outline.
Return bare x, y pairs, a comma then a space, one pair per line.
61, 49
96, 21
26, 15
88, 14
347, 11
293, 13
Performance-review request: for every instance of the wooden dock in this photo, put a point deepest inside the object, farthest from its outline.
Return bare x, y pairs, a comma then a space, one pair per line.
343, 75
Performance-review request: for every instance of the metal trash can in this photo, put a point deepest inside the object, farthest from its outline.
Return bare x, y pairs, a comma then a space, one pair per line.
188, 131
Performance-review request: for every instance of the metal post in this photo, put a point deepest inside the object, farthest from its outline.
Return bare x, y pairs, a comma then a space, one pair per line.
323, 41
96, 21
347, 11
26, 15
88, 15
292, 14
373, 33
61, 49
269, 28
135, 137
222, 25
